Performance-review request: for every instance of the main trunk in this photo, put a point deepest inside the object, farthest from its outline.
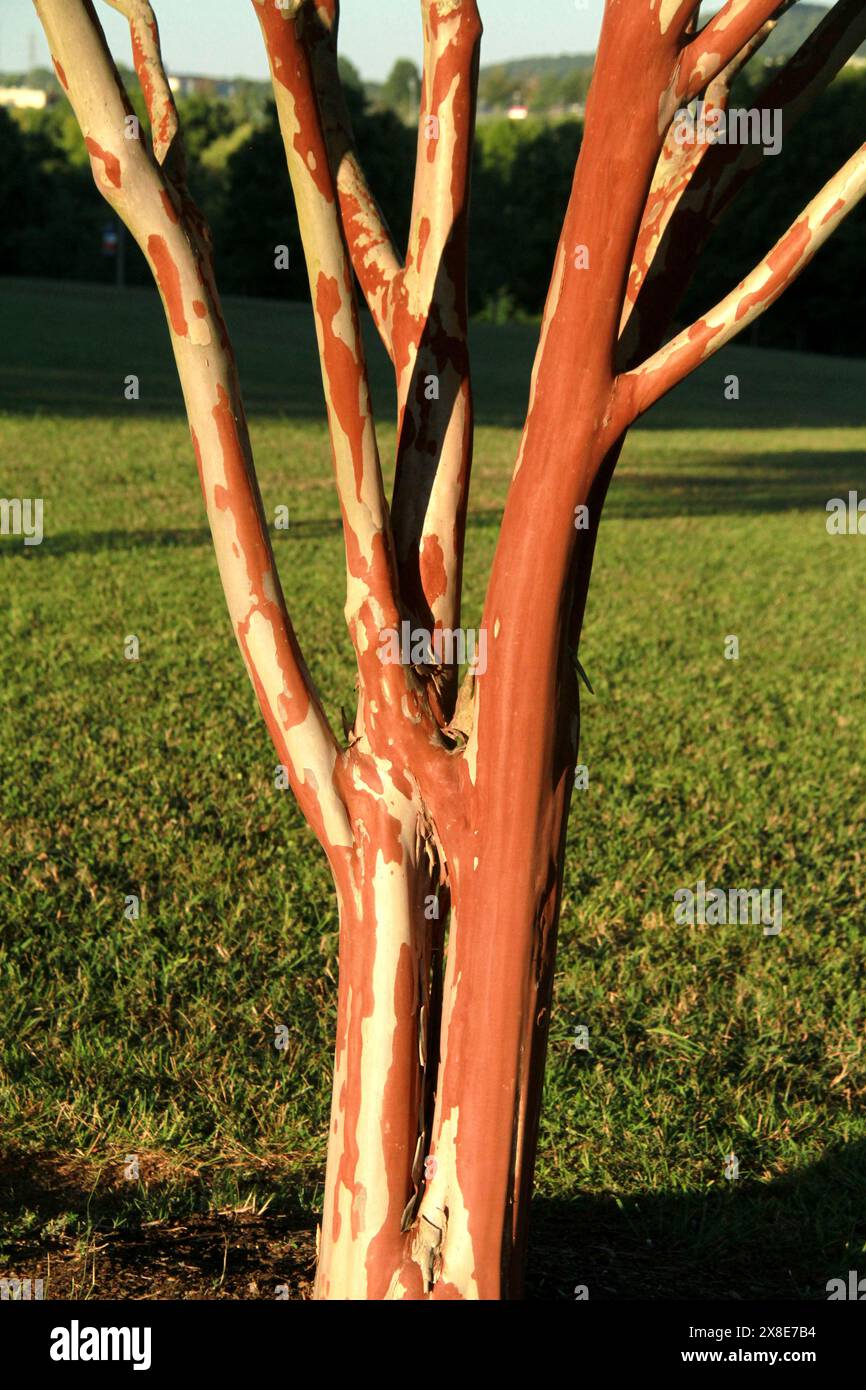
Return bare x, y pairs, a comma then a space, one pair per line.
424, 1201
387, 949
434, 1123
469, 1239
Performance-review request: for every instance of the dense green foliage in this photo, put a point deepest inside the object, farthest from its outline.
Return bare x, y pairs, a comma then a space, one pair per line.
824, 309
522, 176
540, 83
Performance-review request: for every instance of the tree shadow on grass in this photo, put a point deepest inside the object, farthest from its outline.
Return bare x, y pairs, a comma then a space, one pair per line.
172, 538
795, 481
88, 1232
96, 1236
792, 481
742, 1240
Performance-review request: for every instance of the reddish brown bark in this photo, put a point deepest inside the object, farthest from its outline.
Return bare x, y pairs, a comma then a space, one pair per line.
437, 801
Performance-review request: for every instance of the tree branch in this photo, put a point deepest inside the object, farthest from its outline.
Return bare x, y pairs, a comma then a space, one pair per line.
371, 602
166, 225
430, 324
390, 693
147, 58
720, 174
792, 90
637, 390
371, 247
719, 41
677, 166
420, 309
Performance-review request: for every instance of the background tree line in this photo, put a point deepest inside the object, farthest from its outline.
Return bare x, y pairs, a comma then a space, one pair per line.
52, 224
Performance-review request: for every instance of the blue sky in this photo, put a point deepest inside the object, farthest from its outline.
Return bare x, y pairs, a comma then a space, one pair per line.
221, 37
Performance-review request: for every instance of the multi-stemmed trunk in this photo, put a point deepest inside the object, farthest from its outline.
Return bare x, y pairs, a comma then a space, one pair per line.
443, 817
459, 1174
433, 1128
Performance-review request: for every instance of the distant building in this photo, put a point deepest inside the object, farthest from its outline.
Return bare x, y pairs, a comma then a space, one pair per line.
518, 113
185, 84
31, 98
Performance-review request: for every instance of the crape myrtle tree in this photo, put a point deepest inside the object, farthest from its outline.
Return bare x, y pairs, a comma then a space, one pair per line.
442, 811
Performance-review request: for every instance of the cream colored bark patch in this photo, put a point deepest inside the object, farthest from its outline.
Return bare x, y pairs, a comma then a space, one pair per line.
443, 1244
667, 13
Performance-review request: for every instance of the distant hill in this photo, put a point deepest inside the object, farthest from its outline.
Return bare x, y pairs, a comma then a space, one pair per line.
520, 68
543, 83
791, 30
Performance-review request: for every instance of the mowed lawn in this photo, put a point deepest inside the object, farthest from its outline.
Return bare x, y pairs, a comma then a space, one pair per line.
154, 1038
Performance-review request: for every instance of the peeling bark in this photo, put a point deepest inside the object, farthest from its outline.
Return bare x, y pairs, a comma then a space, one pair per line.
443, 799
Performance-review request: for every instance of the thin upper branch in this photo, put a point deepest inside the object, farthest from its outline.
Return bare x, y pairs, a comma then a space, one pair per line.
420, 308
452, 37
341, 351
430, 322
676, 169
719, 41
374, 256
147, 57
666, 255
389, 692
168, 228
792, 90
642, 387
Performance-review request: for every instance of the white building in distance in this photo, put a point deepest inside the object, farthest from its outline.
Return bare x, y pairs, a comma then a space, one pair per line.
25, 98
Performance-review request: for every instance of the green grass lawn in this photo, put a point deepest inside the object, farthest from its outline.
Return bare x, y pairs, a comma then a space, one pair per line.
155, 1037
